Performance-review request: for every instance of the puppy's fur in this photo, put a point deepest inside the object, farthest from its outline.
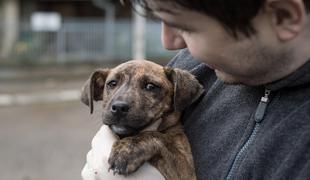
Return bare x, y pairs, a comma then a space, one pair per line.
142, 103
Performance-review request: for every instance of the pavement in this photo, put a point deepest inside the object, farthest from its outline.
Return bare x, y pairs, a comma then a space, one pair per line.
22, 86
45, 132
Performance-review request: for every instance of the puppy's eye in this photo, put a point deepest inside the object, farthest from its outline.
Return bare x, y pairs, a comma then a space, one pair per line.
112, 83
151, 87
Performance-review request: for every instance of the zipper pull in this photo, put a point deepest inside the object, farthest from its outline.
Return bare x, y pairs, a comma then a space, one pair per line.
262, 106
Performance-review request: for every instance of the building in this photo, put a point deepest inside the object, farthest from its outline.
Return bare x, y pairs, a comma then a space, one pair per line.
69, 30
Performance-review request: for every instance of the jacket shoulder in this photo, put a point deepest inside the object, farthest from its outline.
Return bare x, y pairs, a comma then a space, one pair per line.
184, 60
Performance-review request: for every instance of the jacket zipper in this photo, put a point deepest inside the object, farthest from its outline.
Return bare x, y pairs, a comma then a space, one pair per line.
258, 117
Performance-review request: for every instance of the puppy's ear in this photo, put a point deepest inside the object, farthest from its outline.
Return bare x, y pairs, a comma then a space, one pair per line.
93, 88
187, 89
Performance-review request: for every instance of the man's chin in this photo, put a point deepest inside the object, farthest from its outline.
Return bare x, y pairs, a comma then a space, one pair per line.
237, 80
227, 78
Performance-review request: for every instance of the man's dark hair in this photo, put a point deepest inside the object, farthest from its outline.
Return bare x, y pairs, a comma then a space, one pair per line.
234, 15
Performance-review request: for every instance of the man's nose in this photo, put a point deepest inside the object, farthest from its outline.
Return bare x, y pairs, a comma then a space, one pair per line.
171, 39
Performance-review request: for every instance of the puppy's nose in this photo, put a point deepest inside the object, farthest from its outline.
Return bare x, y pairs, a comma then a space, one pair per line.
120, 107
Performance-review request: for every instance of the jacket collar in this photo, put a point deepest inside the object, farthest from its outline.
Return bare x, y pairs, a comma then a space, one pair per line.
300, 77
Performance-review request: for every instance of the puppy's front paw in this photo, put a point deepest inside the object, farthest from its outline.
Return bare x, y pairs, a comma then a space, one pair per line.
126, 156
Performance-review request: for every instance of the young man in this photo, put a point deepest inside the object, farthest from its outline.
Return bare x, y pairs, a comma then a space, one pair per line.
252, 56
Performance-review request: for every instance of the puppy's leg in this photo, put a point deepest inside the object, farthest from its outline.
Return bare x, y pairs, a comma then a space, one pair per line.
165, 151
128, 154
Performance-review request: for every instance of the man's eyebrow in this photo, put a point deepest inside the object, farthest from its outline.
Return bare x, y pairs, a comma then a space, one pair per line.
160, 9
172, 24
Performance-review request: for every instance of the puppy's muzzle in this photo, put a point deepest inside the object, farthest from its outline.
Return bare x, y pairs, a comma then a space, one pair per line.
119, 110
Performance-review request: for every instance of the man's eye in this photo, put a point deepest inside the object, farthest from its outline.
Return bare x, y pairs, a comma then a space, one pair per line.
151, 87
184, 31
112, 83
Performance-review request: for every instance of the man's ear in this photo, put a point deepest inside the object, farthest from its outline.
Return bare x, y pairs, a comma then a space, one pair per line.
187, 89
288, 17
93, 88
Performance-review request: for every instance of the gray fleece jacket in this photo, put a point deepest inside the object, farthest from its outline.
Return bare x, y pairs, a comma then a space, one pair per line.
241, 132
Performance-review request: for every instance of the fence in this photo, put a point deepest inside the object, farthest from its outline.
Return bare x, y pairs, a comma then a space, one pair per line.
84, 40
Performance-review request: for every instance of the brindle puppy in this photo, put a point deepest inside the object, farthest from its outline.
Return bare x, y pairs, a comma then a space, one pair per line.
142, 104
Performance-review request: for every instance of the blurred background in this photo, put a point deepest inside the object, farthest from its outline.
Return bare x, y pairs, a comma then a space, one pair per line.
48, 49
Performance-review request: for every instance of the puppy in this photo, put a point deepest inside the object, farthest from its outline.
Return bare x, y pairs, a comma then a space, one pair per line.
142, 103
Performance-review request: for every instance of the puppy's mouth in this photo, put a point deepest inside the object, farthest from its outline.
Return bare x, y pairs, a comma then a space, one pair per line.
122, 130
129, 127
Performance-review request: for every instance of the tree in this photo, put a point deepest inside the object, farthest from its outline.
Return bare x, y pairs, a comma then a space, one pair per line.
9, 27
109, 9
139, 26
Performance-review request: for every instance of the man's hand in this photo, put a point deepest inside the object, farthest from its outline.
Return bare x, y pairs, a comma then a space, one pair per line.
96, 167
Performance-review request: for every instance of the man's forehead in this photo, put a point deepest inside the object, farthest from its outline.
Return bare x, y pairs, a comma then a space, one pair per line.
161, 6
173, 15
